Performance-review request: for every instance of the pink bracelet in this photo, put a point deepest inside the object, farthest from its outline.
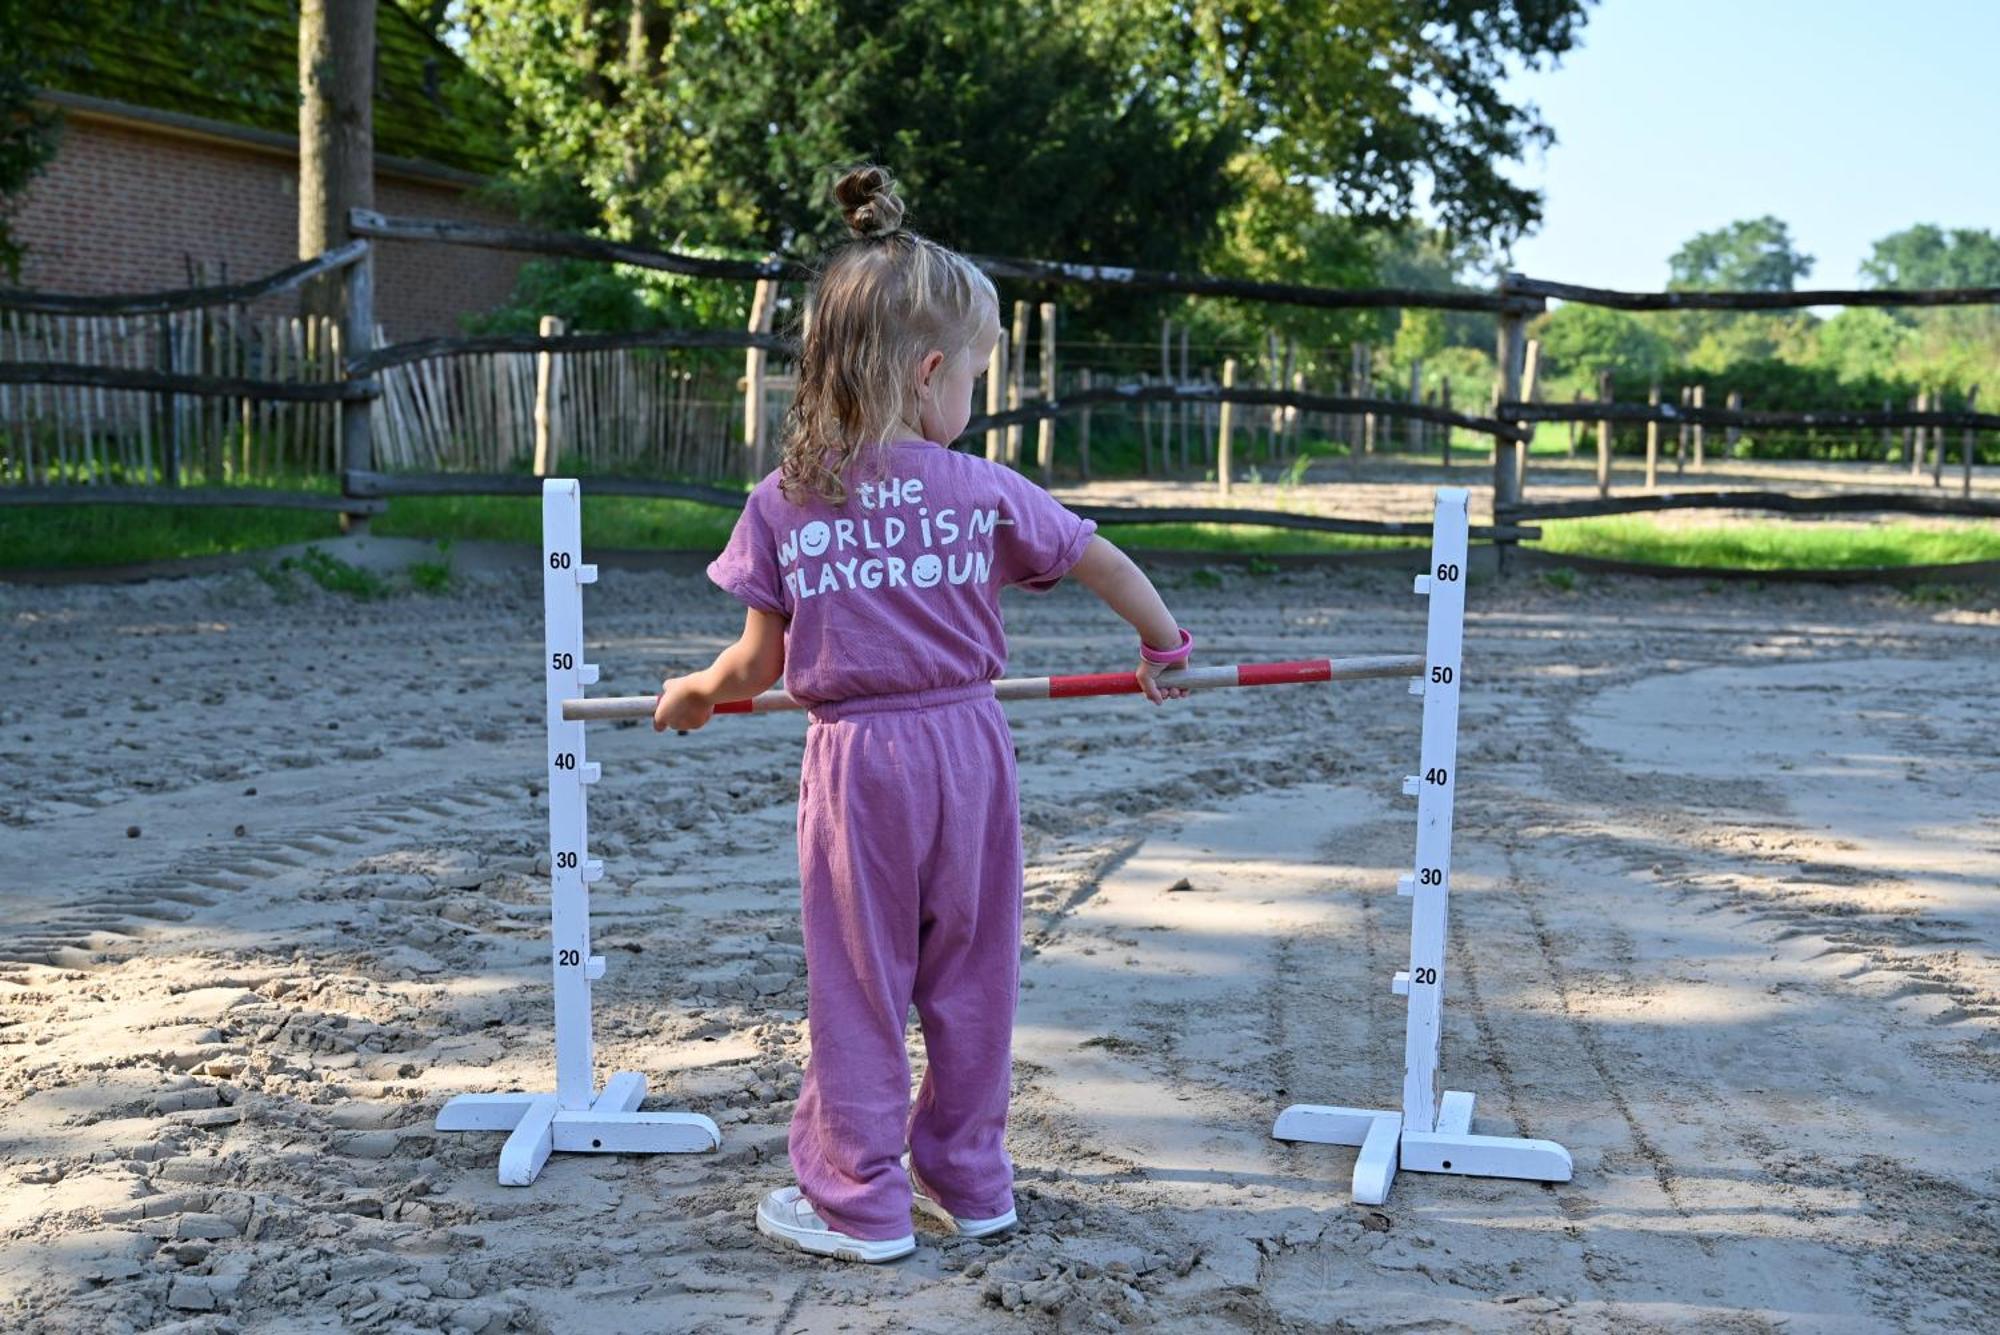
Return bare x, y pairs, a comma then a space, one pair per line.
1168, 657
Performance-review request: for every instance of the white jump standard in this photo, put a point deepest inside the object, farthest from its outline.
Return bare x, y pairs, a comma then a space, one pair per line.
576, 1117
1431, 1134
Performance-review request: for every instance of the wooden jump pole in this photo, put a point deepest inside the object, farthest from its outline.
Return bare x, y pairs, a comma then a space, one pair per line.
1074, 687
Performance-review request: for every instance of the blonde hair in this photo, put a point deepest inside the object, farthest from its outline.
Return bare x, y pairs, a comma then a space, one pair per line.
883, 300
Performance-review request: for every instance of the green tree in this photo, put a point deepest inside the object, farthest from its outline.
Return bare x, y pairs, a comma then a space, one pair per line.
1117, 131
1579, 342
718, 124
27, 129
1361, 104
1752, 255
1860, 342
1929, 256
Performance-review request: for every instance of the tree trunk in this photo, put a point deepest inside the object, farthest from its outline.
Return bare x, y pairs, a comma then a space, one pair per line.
336, 131
336, 174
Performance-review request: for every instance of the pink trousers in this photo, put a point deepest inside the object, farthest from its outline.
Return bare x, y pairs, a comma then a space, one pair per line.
910, 873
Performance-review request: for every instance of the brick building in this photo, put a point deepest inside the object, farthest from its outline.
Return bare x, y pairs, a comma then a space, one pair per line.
160, 179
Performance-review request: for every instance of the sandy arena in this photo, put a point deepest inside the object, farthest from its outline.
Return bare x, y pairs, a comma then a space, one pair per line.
1725, 923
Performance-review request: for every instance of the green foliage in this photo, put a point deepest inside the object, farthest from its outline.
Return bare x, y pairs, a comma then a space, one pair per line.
722, 122
1861, 343
27, 130
1752, 255
1581, 342
335, 575
1157, 133
1928, 256
1367, 103
606, 299
432, 576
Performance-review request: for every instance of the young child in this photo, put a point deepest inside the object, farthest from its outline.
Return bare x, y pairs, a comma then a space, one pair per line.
870, 565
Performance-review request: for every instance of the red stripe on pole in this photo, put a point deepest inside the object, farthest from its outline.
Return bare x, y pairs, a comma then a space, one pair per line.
1284, 674
1093, 683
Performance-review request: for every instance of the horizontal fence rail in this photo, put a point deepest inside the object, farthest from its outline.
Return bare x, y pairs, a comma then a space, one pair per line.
1375, 528
1814, 417
193, 386
1240, 394
1520, 285
367, 222
187, 298
386, 485
1853, 502
247, 498
400, 354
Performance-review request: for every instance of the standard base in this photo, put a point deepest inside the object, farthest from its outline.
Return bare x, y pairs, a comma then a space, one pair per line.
608, 1126
1452, 1148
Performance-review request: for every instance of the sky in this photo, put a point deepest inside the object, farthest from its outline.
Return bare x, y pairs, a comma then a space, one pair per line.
1847, 119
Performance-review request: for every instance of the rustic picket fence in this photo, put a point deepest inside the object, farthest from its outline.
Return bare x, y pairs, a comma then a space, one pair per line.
634, 409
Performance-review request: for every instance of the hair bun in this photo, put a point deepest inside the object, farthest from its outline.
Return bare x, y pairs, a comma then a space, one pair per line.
868, 200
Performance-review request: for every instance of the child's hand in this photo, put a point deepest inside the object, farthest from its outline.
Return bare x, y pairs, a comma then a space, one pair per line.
1151, 676
682, 706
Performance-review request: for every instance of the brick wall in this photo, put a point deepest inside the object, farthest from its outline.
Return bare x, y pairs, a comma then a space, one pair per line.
125, 209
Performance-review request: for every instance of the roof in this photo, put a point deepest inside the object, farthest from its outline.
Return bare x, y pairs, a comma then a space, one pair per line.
428, 105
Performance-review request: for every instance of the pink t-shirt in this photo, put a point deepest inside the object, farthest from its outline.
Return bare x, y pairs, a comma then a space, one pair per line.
898, 588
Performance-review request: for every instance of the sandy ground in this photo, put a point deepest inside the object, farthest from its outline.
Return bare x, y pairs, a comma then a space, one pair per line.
1399, 486
1725, 925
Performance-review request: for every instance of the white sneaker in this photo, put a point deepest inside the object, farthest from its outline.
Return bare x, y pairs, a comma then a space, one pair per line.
788, 1216
921, 1197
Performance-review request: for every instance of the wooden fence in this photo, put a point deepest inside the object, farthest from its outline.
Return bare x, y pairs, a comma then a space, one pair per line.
471, 403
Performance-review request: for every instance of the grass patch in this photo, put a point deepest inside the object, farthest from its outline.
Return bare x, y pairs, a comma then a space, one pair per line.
36, 537
432, 576
608, 521
46, 536
1771, 546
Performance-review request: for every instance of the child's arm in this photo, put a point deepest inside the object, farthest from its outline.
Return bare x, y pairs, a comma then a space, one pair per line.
1110, 574
748, 667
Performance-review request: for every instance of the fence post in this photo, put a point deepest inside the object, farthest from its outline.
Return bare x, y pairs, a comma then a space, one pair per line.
1913, 436
1531, 371
1413, 434
1083, 426
170, 435
1045, 430
996, 393
1653, 439
756, 434
1700, 397
1681, 433
1937, 447
1733, 433
1365, 388
1286, 418
1294, 417
546, 456
1603, 435
1507, 352
1017, 371
1967, 448
1185, 416
1228, 423
1444, 432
